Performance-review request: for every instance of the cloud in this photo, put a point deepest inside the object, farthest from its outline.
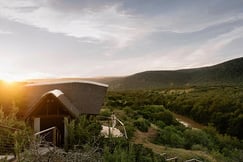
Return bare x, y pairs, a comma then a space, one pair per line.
212, 47
112, 37
193, 54
12, 76
108, 24
189, 20
5, 32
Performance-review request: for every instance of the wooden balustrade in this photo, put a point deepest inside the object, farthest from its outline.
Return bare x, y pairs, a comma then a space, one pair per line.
55, 138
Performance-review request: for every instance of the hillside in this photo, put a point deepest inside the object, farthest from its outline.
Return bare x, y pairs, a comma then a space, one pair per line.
227, 73
230, 72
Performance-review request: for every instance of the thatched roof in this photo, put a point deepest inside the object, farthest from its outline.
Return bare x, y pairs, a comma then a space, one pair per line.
78, 97
59, 95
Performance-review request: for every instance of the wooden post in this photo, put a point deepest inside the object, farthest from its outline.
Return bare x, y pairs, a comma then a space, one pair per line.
55, 136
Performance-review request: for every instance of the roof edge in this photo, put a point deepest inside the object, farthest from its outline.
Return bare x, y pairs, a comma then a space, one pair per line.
59, 95
63, 82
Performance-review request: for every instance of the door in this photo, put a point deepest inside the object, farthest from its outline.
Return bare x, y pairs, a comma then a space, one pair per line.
48, 122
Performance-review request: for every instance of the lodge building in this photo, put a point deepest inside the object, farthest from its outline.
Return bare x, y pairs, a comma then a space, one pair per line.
49, 103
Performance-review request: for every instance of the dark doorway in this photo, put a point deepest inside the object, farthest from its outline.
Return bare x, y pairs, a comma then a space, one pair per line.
48, 122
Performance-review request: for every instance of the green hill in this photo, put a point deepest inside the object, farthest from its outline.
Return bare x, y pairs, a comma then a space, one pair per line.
227, 73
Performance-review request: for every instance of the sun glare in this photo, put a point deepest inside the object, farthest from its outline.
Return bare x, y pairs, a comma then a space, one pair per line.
10, 80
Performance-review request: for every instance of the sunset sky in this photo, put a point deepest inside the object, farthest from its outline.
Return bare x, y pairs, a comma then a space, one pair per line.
87, 38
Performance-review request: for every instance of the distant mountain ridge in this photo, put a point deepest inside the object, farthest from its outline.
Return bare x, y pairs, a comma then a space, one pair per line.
229, 72
226, 73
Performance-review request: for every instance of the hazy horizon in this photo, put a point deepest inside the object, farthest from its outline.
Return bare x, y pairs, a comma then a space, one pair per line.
63, 39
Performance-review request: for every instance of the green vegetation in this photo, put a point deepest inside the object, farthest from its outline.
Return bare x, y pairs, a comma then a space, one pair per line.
13, 141
145, 108
85, 133
85, 143
222, 107
227, 73
82, 131
151, 127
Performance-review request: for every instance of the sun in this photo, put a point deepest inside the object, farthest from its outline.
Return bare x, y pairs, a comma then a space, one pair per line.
10, 80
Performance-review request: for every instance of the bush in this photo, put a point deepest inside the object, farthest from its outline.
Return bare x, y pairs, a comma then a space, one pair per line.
142, 124
129, 129
82, 131
123, 151
105, 112
15, 135
170, 136
160, 124
196, 137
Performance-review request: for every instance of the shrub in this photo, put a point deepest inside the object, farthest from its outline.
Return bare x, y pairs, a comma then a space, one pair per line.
82, 131
160, 124
105, 112
170, 136
142, 124
129, 129
194, 136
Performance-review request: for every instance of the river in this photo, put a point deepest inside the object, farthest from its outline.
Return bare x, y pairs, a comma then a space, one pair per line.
187, 122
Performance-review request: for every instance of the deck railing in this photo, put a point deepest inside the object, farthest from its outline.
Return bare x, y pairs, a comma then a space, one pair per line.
119, 121
7, 140
52, 135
